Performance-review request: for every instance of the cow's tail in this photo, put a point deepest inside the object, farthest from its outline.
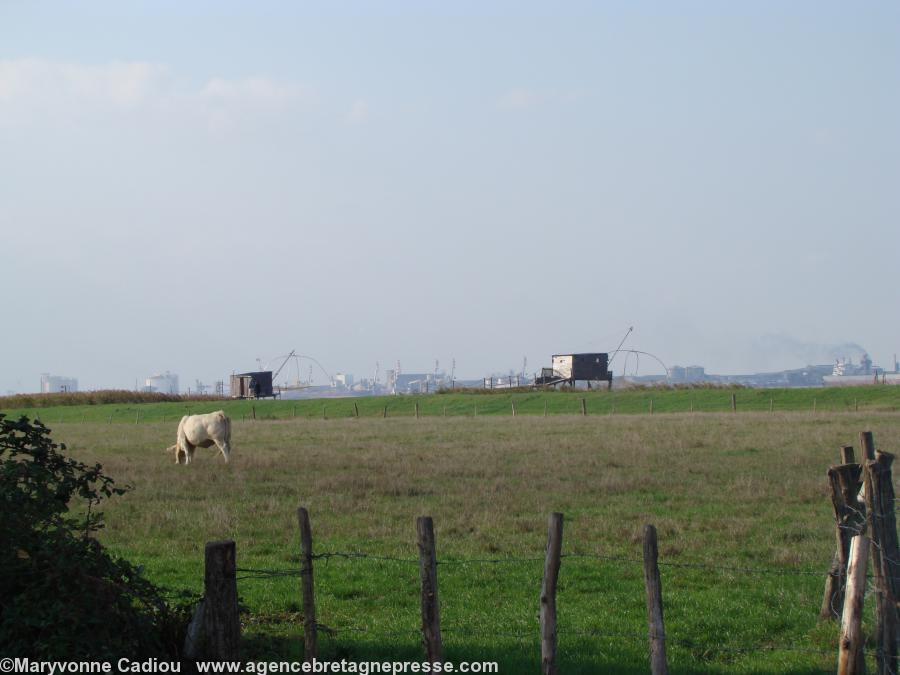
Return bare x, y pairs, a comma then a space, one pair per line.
226, 450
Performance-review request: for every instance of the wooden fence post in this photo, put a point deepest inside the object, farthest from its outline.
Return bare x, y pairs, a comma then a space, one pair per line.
355, 410
384, 413
545, 408
137, 417
814, 404
417, 410
847, 456
306, 580
583, 408
850, 655
653, 585
733, 402
849, 520
221, 622
771, 405
882, 524
651, 406
548, 594
431, 618
293, 411
867, 445
513, 403
692, 405
253, 411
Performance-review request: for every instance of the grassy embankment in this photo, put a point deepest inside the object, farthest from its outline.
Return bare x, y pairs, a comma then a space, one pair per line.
528, 402
741, 491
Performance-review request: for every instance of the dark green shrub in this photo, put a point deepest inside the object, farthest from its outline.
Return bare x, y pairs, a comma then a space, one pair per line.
62, 595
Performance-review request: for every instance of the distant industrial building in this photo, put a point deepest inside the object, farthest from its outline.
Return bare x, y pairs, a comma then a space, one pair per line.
53, 384
686, 374
414, 383
162, 383
343, 380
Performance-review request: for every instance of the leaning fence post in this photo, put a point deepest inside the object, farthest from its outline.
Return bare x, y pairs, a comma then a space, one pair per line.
548, 594
431, 619
885, 557
653, 585
355, 410
849, 520
850, 655
306, 580
221, 622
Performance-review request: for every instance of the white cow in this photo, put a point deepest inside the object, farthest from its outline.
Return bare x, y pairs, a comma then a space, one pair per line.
202, 431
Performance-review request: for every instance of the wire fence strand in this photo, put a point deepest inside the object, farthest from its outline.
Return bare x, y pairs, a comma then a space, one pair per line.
254, 573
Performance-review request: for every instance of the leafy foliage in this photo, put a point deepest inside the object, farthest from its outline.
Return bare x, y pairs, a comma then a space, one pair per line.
62, 595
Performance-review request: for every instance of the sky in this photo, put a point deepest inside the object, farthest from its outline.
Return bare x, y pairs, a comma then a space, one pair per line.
192, 186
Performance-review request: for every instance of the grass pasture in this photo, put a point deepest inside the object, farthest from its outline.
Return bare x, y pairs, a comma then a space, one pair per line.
746, 493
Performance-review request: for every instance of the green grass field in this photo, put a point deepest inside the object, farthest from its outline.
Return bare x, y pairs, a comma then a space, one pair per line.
884, 398
744, 492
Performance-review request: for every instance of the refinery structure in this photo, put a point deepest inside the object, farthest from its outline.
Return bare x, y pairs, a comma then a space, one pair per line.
298, 377
56, 384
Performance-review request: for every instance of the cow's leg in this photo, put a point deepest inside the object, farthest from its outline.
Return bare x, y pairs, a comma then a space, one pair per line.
188, 453
225, 450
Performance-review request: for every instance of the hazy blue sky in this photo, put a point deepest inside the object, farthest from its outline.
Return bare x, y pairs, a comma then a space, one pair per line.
189, 186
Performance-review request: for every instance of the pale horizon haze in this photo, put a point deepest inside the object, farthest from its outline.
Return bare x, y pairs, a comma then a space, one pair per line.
192, 186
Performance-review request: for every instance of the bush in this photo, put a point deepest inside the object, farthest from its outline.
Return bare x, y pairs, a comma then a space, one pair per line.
100, 397
62, 595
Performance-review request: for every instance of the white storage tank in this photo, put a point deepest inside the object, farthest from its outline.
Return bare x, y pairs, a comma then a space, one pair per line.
162, 383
